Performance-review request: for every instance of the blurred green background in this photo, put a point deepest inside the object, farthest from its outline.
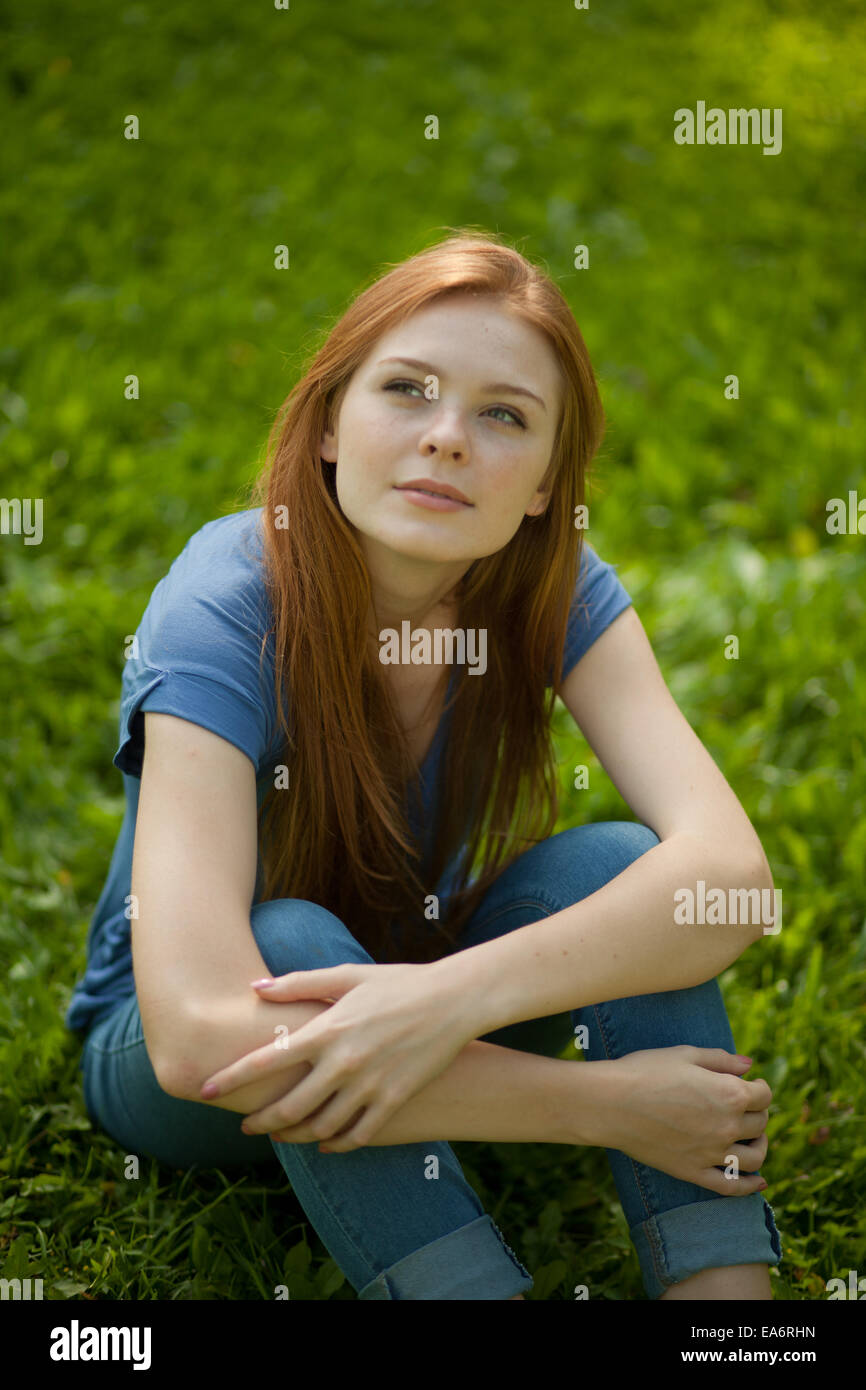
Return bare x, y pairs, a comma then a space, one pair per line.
260, 127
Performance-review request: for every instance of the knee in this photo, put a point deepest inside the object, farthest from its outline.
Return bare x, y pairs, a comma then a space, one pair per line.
294, 934
626, 841
634, 838
590, 855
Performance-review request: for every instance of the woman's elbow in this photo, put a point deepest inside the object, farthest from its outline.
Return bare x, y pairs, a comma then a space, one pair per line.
180, 1079
176, 1063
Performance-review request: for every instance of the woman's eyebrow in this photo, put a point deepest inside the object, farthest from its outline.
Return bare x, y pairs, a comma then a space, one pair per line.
491, 386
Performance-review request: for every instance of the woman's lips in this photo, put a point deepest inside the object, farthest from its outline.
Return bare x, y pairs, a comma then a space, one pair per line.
435, 502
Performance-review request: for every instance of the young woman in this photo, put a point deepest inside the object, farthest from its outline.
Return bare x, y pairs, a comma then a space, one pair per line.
335, 743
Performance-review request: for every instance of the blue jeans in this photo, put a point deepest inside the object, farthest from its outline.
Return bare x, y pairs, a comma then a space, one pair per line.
395, 1233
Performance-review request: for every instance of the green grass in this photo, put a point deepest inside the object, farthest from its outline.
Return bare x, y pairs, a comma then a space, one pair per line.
155, 257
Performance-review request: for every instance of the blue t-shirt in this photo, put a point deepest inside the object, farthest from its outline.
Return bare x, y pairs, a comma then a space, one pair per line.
196, 655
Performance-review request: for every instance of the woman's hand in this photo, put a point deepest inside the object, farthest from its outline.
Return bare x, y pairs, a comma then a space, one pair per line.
391, 1029
685, 1110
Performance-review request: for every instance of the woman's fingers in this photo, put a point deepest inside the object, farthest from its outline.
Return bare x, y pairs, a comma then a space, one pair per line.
337, 1115
743, 1186
286, 1050
330, 982
303, 1133
370, 1122
263, 1062
338, 1133
750, 1156
752, 1123
252, 1067
298, 1104
759, 1096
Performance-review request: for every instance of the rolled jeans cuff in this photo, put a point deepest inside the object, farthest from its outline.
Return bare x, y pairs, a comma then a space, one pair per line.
473, 1262
678, 1243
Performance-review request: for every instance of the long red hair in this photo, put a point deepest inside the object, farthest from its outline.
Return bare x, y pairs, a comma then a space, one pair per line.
338, 835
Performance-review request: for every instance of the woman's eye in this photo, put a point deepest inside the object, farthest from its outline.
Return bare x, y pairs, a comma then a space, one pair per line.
505, 410
514, 416
414, 385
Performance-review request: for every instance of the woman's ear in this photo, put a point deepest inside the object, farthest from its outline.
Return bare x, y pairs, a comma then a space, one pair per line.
328, 446
538, 505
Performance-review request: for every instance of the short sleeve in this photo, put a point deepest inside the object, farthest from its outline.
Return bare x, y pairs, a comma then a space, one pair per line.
197, 649
599, 597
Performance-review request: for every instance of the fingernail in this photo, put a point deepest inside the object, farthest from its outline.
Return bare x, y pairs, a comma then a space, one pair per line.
245, 1127
262, 984
746, 1060
210, 1089
762, 1184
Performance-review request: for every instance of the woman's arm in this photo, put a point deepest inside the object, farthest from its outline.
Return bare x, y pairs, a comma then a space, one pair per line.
193, 879
623, 940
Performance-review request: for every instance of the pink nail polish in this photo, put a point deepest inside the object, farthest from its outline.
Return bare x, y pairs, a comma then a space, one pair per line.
262, 984
210, 1089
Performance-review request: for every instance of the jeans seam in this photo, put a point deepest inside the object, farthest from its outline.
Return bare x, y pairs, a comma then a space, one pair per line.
775, 1234
657, 1248
112, 1052
515, 1258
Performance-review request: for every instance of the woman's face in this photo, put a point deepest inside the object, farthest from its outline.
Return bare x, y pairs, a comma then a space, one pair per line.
474, 426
